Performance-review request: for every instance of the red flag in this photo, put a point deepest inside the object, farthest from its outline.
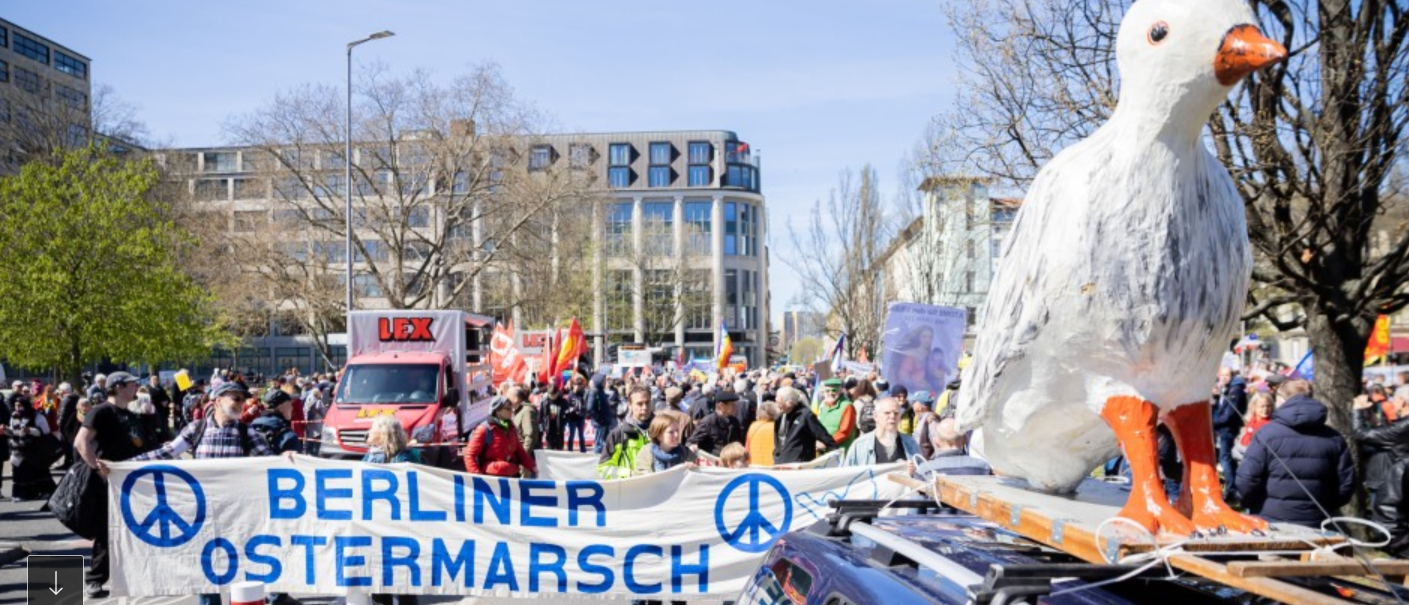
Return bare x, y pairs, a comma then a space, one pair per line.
509, 364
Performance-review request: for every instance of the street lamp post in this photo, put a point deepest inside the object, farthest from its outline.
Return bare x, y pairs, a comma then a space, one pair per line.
347, 158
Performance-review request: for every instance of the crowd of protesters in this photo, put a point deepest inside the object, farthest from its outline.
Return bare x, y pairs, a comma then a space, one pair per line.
1277, 454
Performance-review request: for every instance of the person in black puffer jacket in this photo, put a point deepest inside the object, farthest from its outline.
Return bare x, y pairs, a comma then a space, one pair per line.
1297, 447
1385, 450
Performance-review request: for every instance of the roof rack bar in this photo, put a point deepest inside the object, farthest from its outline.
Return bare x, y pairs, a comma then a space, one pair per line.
922, 556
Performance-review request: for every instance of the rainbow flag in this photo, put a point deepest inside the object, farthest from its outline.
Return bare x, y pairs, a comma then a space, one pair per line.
725, 348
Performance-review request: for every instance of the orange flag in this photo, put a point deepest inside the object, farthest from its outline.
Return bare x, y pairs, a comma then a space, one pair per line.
1379, 340
574, 344
509, 364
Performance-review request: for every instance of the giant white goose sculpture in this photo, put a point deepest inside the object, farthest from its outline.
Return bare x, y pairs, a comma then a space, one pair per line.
1123, 278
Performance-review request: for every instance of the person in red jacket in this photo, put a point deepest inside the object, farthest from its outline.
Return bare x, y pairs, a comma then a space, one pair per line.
494, 447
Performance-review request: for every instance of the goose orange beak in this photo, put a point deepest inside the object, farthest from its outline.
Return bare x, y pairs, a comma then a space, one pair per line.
1245, 50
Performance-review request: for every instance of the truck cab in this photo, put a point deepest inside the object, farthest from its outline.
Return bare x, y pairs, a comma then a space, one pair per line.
413, 365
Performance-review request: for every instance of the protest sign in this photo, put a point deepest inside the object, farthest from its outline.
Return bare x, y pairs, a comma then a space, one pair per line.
315, 526
922, 344
633, 358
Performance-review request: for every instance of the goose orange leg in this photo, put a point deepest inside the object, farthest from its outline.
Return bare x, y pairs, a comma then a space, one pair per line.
1133, 420
1201, 496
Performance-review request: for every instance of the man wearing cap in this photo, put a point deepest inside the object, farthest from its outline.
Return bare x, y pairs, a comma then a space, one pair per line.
836, 413
104, 436
222, 436
721, 427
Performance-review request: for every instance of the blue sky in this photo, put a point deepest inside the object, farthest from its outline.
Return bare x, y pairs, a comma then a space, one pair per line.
814, 87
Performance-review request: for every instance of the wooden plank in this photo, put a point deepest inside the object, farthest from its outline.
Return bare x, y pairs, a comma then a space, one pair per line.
1267, 587
1286, 569
1070, 522
910, 482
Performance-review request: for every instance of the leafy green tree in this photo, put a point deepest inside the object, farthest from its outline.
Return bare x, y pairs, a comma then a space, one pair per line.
89, 267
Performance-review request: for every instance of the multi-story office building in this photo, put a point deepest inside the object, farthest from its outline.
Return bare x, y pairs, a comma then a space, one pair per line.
948, 255
44, 95
674, 236
683, 231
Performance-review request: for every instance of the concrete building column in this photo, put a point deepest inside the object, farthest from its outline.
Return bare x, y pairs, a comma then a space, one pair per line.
681, 270
638, 300
761, 216
717, 265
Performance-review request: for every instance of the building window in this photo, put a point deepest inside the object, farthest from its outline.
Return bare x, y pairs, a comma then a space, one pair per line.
365, 285
742, 176
31, 48
331, 252
731, 229
376, 250
731, 297
618, 229
4, 71
221, 161
698, 219
660, 176
701, 176
75, 99
580, 155
418, 217
540, 157
619, 154
4, 37
251, 221
972, 313
70, 66
620, 302
969, 281
27, 80
5, 111
658, 226
660, 154
969, 213
618, 177
701, 152
969, 249
209, 190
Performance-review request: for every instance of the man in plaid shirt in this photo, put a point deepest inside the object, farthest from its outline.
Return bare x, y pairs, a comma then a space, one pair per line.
220, 435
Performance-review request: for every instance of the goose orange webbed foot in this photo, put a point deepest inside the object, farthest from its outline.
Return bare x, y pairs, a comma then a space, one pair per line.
1214, 515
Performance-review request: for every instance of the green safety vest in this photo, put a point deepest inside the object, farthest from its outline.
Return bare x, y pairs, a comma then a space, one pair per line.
623, 461
831, 419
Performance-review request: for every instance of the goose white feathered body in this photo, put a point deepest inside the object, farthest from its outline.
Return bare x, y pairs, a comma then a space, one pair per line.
1125, 274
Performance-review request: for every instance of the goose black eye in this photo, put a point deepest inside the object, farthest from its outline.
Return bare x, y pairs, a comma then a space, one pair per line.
1158, 32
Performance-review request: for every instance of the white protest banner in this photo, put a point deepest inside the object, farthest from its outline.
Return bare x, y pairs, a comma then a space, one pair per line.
314, 526
558, 465
922, 345
633, 358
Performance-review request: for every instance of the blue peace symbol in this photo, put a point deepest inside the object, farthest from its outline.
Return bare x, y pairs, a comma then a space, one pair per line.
756, 532
163, 518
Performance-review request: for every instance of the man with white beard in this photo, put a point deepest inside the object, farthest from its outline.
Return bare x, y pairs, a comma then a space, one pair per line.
886, 444
222, 436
